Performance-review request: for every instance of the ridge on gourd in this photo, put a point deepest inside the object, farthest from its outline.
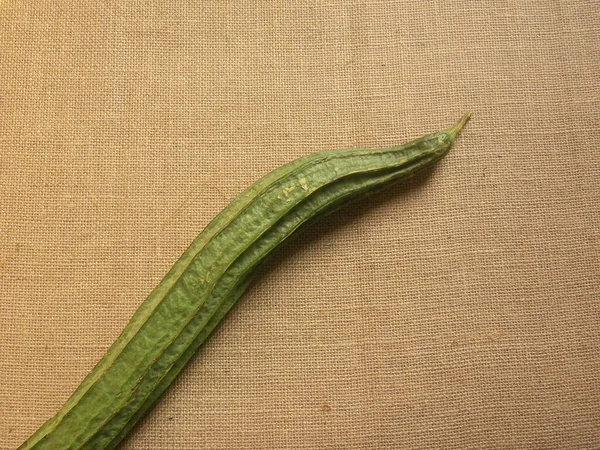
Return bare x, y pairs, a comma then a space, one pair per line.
181, 312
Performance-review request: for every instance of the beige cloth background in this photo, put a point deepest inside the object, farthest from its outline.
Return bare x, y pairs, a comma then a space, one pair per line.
459, 311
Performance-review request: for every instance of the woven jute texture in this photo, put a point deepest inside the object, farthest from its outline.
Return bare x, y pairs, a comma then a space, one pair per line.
458, 311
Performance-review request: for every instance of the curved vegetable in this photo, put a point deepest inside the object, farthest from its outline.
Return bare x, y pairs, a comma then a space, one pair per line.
211, 275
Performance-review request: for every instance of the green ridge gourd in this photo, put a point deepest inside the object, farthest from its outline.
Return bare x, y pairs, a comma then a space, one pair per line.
181, 312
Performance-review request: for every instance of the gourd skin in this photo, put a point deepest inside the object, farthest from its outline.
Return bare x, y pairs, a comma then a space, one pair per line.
211, 275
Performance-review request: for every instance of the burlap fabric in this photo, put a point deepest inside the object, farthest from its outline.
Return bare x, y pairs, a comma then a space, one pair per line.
459, 311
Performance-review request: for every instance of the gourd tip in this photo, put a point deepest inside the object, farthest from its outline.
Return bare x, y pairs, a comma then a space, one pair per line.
459, 125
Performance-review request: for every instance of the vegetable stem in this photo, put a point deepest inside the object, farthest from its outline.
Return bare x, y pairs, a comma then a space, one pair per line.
459, 125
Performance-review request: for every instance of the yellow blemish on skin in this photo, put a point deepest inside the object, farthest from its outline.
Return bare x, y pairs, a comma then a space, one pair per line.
205, 279
303, 184
287, 190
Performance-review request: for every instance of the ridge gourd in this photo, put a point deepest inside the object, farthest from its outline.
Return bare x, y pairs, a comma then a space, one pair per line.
181, 312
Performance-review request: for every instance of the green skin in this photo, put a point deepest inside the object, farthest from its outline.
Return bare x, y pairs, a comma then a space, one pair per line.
212, 274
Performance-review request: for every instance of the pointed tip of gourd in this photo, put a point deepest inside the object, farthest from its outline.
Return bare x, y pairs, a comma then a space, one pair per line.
453, 131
